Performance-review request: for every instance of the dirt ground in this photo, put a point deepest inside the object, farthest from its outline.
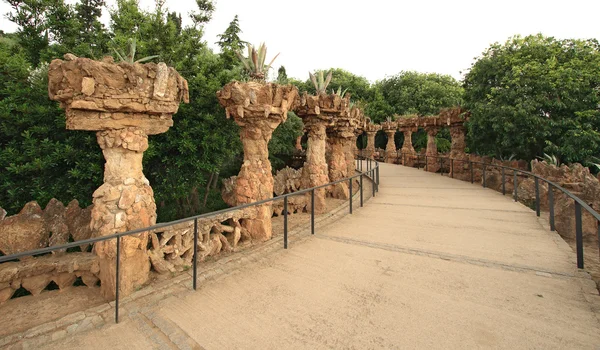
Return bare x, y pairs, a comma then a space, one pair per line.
23, 313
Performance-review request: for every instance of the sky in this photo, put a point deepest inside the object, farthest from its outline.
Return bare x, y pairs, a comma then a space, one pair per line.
379, 38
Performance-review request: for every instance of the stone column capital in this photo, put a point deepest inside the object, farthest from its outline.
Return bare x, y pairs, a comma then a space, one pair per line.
131, 139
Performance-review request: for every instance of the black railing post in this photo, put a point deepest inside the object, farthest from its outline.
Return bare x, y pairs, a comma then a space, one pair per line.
484, 175
361, 190
377, 176
537, 196
471, 167
372, 178
452, 167
503, 182
350, 196
285, 222
117, 279
195, 252
551, 206
516, 185
312, 212
578, 235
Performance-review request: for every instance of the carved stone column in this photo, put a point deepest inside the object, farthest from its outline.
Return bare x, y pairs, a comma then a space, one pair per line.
457, 132
318, 113
371, 130
341, 136
433, 163
124, 103
371, 143
258, 108
124, 202
315, 171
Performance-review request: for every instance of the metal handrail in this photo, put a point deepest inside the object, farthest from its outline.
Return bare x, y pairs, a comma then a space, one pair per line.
371, 172
579, 203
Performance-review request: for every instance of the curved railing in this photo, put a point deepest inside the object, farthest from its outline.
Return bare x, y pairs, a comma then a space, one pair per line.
579, 203
371, 171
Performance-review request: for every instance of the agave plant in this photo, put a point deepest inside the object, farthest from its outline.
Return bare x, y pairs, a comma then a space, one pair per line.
551, 159
339, 91
254, 64
129, 57
320, 82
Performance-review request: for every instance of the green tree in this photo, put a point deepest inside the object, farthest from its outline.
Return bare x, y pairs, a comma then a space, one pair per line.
40, 159
536, 95
230, 42
420, 93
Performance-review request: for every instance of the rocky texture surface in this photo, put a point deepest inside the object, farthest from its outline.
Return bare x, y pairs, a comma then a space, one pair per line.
407, 125
35, 274
578, 180
371, 130
433, 163
258, 109
124, 103
172, 248
104, 95
390, 129
34, 228
318, 113
287, 180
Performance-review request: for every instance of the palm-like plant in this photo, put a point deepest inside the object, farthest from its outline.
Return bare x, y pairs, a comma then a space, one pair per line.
320, 82
129, 57
254, 64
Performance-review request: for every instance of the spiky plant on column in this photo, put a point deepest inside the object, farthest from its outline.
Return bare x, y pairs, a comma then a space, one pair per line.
318, 112
258, 107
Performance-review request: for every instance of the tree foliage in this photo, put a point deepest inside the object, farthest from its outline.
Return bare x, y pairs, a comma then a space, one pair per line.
536, 95
419, 93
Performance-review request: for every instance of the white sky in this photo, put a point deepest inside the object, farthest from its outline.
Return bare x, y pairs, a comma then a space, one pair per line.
378, 38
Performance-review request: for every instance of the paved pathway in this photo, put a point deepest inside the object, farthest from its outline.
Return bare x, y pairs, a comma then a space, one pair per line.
431, 262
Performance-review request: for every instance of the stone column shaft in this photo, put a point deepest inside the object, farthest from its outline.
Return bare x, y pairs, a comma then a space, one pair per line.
124, 202
255, 181
371, 143
315, 170
408, 151
390, 149
433, 163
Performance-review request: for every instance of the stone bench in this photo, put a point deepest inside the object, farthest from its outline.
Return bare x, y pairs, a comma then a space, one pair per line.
34, 274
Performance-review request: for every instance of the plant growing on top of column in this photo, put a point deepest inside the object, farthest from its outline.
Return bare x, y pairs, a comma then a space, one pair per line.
258, 107
254, 64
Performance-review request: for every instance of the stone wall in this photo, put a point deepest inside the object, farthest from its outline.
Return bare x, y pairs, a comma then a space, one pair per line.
34, 228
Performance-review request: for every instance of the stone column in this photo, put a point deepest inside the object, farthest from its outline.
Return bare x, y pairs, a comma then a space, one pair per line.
390, 149
338, 168
258, 108
433, 164
315, 171
318, 114
371, 143
299, 143
123, 103
408, 151
457, 132
124, 202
